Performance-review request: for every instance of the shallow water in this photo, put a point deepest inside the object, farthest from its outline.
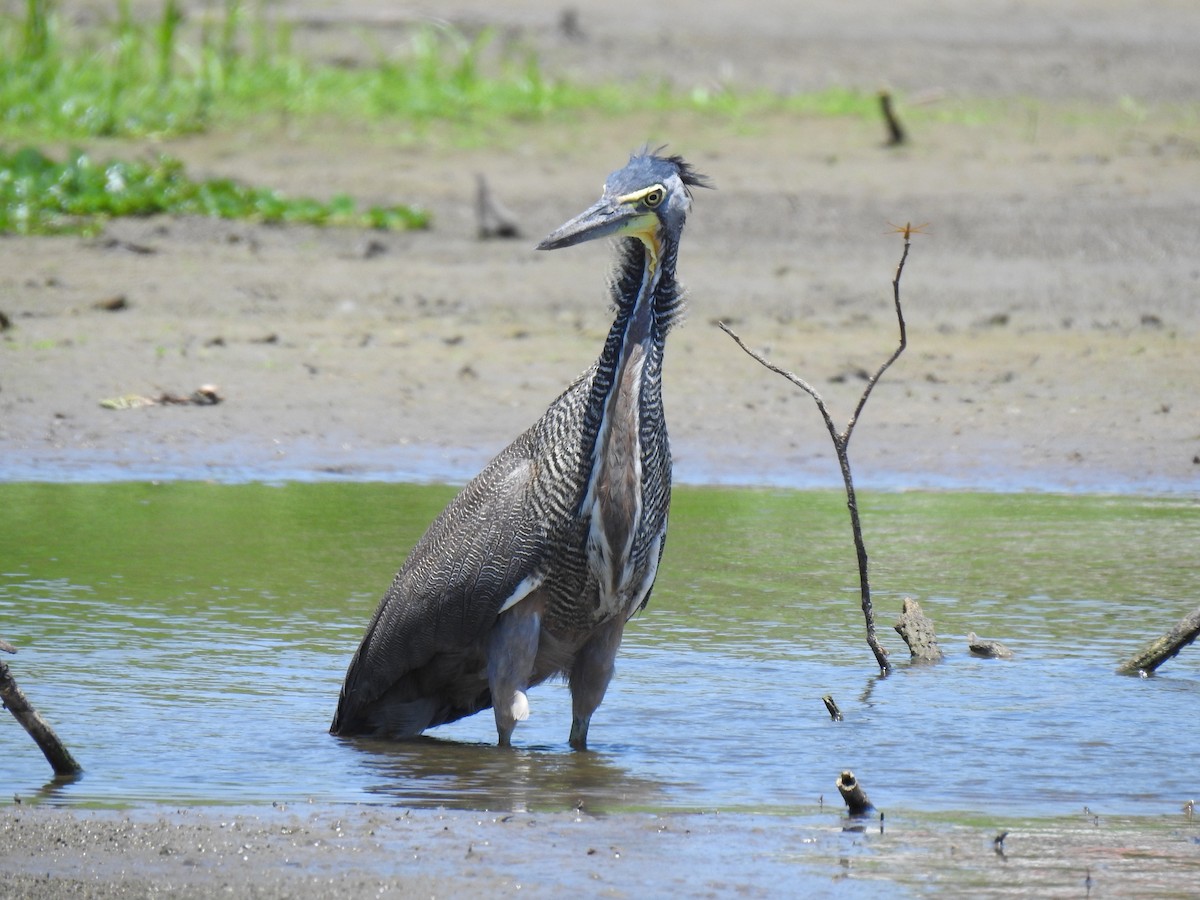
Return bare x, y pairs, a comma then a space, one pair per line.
188, 640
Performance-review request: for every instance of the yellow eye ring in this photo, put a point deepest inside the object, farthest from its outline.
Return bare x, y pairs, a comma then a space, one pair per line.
653, 198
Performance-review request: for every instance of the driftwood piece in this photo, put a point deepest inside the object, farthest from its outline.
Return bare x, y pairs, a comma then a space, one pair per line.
205, 395
1158, 652
857, 802
56, 754
896, 132
987, 649
492, 218
834, 712
916, 629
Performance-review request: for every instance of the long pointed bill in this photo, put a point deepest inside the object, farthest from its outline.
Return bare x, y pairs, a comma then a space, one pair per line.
604, 219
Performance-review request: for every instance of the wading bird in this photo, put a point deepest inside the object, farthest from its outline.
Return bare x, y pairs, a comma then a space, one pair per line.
534, 568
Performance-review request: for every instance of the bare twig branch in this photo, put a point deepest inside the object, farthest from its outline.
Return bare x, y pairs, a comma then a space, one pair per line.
871, 382
841, 439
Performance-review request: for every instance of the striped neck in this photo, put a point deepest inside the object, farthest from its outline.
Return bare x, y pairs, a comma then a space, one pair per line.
647, 301
640, 322
627, 396
643, 276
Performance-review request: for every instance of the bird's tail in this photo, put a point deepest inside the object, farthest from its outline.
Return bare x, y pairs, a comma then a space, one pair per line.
404, 710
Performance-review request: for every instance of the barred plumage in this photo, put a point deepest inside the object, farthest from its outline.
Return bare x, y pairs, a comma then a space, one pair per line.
534, 568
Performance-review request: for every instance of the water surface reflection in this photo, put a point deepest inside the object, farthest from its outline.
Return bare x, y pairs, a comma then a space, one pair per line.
188, 642
468, 775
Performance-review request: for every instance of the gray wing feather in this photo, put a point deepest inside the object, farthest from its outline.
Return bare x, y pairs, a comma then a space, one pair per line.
453, 584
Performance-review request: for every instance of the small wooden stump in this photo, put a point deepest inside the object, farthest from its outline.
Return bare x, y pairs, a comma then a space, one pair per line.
832, 707
852, 792
916, 629
491, 217
896, 132
987, 649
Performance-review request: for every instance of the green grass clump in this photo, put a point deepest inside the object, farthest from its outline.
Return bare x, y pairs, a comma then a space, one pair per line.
40, 196
131, 78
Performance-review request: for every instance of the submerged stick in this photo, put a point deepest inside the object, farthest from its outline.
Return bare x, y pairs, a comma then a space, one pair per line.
987, 649
841, 439
1158, 652
832, 707
857, 802
56, 754
916, 629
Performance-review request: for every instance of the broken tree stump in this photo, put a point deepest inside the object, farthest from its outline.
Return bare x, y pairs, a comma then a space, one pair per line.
56, 754
492, 218
852, 792
916, 629
1158, 652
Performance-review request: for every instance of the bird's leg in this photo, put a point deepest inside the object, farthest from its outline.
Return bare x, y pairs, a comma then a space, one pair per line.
512, 649
591, 672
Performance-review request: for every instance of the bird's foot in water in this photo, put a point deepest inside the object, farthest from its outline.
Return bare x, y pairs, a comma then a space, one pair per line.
518, 711
579, 731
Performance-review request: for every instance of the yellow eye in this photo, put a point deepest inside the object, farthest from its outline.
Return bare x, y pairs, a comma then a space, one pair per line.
653, 197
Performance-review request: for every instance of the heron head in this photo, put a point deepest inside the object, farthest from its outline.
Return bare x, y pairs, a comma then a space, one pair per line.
648, 199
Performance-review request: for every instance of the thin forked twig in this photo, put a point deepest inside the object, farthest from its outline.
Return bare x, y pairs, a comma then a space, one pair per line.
841, 439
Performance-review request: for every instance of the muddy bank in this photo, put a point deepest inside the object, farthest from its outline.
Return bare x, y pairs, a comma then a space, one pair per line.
355, 852
1052, 314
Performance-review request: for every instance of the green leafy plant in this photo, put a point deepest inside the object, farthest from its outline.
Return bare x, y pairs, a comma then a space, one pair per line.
41, 196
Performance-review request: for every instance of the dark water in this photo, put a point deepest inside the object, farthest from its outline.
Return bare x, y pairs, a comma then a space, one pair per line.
188, 641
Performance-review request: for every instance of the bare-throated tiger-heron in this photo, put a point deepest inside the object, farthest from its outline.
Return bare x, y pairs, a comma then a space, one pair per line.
535, 567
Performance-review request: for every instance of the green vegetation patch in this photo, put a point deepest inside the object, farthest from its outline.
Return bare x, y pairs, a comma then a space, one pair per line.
131, 78
40, 196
